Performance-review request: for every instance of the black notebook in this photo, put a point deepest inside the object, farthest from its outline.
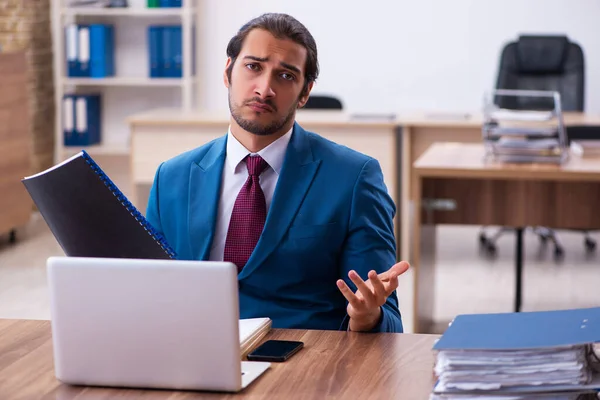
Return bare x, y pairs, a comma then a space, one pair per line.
88, 214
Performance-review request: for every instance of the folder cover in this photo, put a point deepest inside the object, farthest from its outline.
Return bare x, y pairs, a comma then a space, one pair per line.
89, 216
527, 330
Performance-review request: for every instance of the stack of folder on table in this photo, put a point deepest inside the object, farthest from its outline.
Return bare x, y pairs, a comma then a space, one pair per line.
537, 355
524, 136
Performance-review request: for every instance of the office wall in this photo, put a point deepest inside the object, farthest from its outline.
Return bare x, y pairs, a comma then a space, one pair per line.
395, 55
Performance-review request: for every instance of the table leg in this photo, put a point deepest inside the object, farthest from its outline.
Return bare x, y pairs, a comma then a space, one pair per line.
518, 268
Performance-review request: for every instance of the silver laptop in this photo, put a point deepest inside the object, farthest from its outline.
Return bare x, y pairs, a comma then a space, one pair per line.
147, 324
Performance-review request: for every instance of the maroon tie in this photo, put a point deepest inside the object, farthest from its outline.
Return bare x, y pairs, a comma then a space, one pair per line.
248, 216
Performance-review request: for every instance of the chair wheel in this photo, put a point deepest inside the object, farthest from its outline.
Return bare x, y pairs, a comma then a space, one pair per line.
590, 244
483, 239
12, 236
559, 253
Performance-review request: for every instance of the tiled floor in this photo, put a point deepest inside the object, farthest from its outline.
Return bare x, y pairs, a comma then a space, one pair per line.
467, 281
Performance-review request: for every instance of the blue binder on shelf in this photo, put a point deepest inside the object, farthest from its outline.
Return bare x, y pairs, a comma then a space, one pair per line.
88, 119
169, 3
177, 51
155, 51
167, 59
71, 49
69, 138
83, 51
102, 51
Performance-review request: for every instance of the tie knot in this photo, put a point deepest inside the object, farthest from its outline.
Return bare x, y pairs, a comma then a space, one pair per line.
256, 165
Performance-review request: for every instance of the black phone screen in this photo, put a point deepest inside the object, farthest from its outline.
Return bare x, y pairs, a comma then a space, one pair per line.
275, 350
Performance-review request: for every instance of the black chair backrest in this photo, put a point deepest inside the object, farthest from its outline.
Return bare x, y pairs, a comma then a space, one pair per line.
542, 63
323, 103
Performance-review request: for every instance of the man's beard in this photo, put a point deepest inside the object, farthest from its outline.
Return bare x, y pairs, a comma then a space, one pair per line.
256, 127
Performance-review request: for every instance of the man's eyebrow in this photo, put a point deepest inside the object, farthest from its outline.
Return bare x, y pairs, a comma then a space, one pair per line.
290, 67
285, 65
260, 59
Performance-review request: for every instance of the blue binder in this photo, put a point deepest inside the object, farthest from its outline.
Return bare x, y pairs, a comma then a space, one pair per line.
83, 51
102, 51
167, 59
155, 51
527, 330
164, 3
88, 119
71, 50
68, 122
177, 51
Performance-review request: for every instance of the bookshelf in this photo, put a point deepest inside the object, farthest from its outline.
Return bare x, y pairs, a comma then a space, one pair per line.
131, 90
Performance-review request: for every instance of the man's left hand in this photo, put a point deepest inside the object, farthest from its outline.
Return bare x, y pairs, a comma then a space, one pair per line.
364, 306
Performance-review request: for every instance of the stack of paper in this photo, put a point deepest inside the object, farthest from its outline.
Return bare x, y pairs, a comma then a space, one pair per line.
519, 354
251, 333
528, 151
522, 115
495, 370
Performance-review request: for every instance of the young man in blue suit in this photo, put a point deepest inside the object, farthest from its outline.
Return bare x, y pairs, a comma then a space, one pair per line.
309, 223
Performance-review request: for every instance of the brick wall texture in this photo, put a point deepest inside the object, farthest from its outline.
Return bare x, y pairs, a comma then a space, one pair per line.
25, 26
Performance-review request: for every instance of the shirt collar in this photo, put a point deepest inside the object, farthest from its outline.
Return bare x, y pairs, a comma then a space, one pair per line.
273, 154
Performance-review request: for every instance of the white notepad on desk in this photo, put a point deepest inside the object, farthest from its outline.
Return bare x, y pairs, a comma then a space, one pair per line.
251, 333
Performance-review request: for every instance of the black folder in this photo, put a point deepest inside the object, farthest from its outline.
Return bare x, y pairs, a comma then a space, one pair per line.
89, 216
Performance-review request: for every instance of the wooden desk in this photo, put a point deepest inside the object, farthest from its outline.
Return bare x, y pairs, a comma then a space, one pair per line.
332, 365
490, 193
420, 130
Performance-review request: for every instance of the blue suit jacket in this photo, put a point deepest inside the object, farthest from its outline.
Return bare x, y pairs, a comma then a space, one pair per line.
330, 213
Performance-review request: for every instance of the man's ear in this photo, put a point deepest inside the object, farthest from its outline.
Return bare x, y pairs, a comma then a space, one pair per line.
304, 96
225, 75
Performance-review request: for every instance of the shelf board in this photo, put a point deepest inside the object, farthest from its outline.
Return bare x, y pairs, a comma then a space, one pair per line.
124, 81
125, 12
97, 150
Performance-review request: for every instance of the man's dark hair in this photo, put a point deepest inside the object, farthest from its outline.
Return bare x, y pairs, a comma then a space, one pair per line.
282, 26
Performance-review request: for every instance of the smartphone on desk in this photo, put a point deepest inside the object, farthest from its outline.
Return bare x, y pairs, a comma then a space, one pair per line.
275, 350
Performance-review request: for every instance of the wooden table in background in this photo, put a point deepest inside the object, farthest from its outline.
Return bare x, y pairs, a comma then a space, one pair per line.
491, 193
333, 364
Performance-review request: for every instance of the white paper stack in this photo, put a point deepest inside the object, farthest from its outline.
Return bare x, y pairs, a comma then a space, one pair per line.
252, 330
495, 370
522, 115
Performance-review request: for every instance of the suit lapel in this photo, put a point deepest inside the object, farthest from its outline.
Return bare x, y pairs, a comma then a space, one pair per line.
203, 205
299, 169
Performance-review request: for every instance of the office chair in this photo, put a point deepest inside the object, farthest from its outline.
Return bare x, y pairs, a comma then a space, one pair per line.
550, 63
323, 103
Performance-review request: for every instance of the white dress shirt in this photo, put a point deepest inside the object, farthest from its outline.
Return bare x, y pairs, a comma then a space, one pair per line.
235, 174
